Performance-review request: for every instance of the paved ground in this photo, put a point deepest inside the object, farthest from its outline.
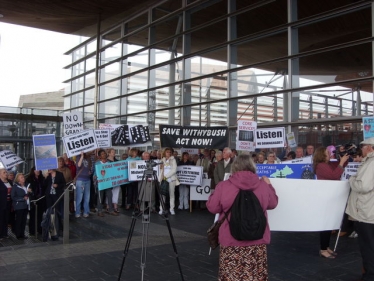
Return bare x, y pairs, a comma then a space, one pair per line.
96, 249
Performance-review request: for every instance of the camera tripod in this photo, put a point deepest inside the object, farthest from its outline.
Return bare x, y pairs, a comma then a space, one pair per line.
143, 212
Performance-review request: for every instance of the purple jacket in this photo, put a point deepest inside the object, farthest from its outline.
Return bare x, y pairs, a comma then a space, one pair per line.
224, 195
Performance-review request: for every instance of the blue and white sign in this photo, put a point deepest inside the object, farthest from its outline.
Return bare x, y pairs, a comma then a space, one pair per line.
45, 152
289, 171
111, 174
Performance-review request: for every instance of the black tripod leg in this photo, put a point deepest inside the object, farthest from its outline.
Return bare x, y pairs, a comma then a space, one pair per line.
168, 226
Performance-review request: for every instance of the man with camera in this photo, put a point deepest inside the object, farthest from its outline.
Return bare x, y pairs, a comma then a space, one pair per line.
361, 207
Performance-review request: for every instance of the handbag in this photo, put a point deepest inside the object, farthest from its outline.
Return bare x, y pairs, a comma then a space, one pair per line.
213, 232
164, 188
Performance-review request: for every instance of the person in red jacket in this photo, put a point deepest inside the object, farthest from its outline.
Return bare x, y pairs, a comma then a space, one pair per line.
242, 260
325, 170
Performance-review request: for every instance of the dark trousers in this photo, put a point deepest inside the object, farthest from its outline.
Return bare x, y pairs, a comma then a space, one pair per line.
20, 223
132, 193
3, 224
366, 243
324, 239
123, 191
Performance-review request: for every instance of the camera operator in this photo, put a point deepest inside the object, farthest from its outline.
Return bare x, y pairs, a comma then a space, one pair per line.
360, 207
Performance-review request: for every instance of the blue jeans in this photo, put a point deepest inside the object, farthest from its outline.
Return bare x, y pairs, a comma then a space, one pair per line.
83, 192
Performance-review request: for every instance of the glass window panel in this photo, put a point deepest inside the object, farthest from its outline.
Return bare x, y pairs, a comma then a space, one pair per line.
336, 65
90, 63
200, 39
207, 64
77, 100
137, 82
91, 46
77, 84
90, 79
88, 114
136, 23
111, 53
111, 71
259, 19
78, 69
111, 36
334, 31
162, 55
214, 9
166, 8
108, 109
137, 62
89, 96
308, 8
168, 28
137, 103
78, 53
164, 75
138, 39
110, 90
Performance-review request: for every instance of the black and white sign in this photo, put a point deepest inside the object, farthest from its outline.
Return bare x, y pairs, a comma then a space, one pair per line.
103, 138
193, 137
245, 135
9, 159
73, 122
128, 135
81, 142
270, 137
190, 175
200, 192
137, 168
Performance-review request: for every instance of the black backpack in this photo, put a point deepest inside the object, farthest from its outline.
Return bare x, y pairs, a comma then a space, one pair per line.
248, 221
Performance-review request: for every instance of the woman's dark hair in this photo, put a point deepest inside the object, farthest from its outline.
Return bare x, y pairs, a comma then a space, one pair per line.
319, 156
292, 154
184, 153
243, 162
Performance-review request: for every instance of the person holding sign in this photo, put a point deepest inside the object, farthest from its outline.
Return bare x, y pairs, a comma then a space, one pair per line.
83, 184
184, 190
169, 173
324, 170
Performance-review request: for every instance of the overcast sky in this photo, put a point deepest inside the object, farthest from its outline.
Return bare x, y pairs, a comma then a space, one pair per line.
31, 61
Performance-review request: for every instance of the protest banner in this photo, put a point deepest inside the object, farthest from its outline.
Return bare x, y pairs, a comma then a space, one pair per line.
193, 136
305, 205
291, 140
270, 137
83, 141
111, 174
103, 138
190, 175
350, 170
289, 171
73, 122
200, 192
137, 168
9, 159
128, 135
303, 160
45, 152
191, 151
368, 123
245, 135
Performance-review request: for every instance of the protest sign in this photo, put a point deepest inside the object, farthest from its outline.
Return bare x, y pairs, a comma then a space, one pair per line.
83, 141
303, 160
200, 192
291, 140
302, 205
9, 159
111, 174
45, 152
103, 138
128, 135
270, 137
368, 123
191, 151
73, 122
350, 170
190, 175
137, 168
193, 136
289, 171
246, 131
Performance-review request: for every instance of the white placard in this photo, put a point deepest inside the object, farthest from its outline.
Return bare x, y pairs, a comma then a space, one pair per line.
304, 160
190, 175
270, 137
9, 159
191, 151
350, 170
103, 138
137, 168
73, 122
291, 140
83, 141
245, 135
308, 205
200, 192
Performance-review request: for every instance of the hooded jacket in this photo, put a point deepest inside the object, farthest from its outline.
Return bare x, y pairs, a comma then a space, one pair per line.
223, 197
361, 200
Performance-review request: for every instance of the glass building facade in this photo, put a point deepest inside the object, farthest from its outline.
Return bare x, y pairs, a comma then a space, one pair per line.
304, 65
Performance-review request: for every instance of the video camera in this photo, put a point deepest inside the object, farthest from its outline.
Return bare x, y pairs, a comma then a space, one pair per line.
150, 164
349, 148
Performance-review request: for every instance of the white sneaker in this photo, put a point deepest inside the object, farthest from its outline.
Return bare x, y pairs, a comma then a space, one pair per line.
77, 216
172, 212
160, 212
86, 215
353, 235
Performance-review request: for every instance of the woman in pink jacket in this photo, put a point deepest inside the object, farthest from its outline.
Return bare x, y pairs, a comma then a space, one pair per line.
242, 260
